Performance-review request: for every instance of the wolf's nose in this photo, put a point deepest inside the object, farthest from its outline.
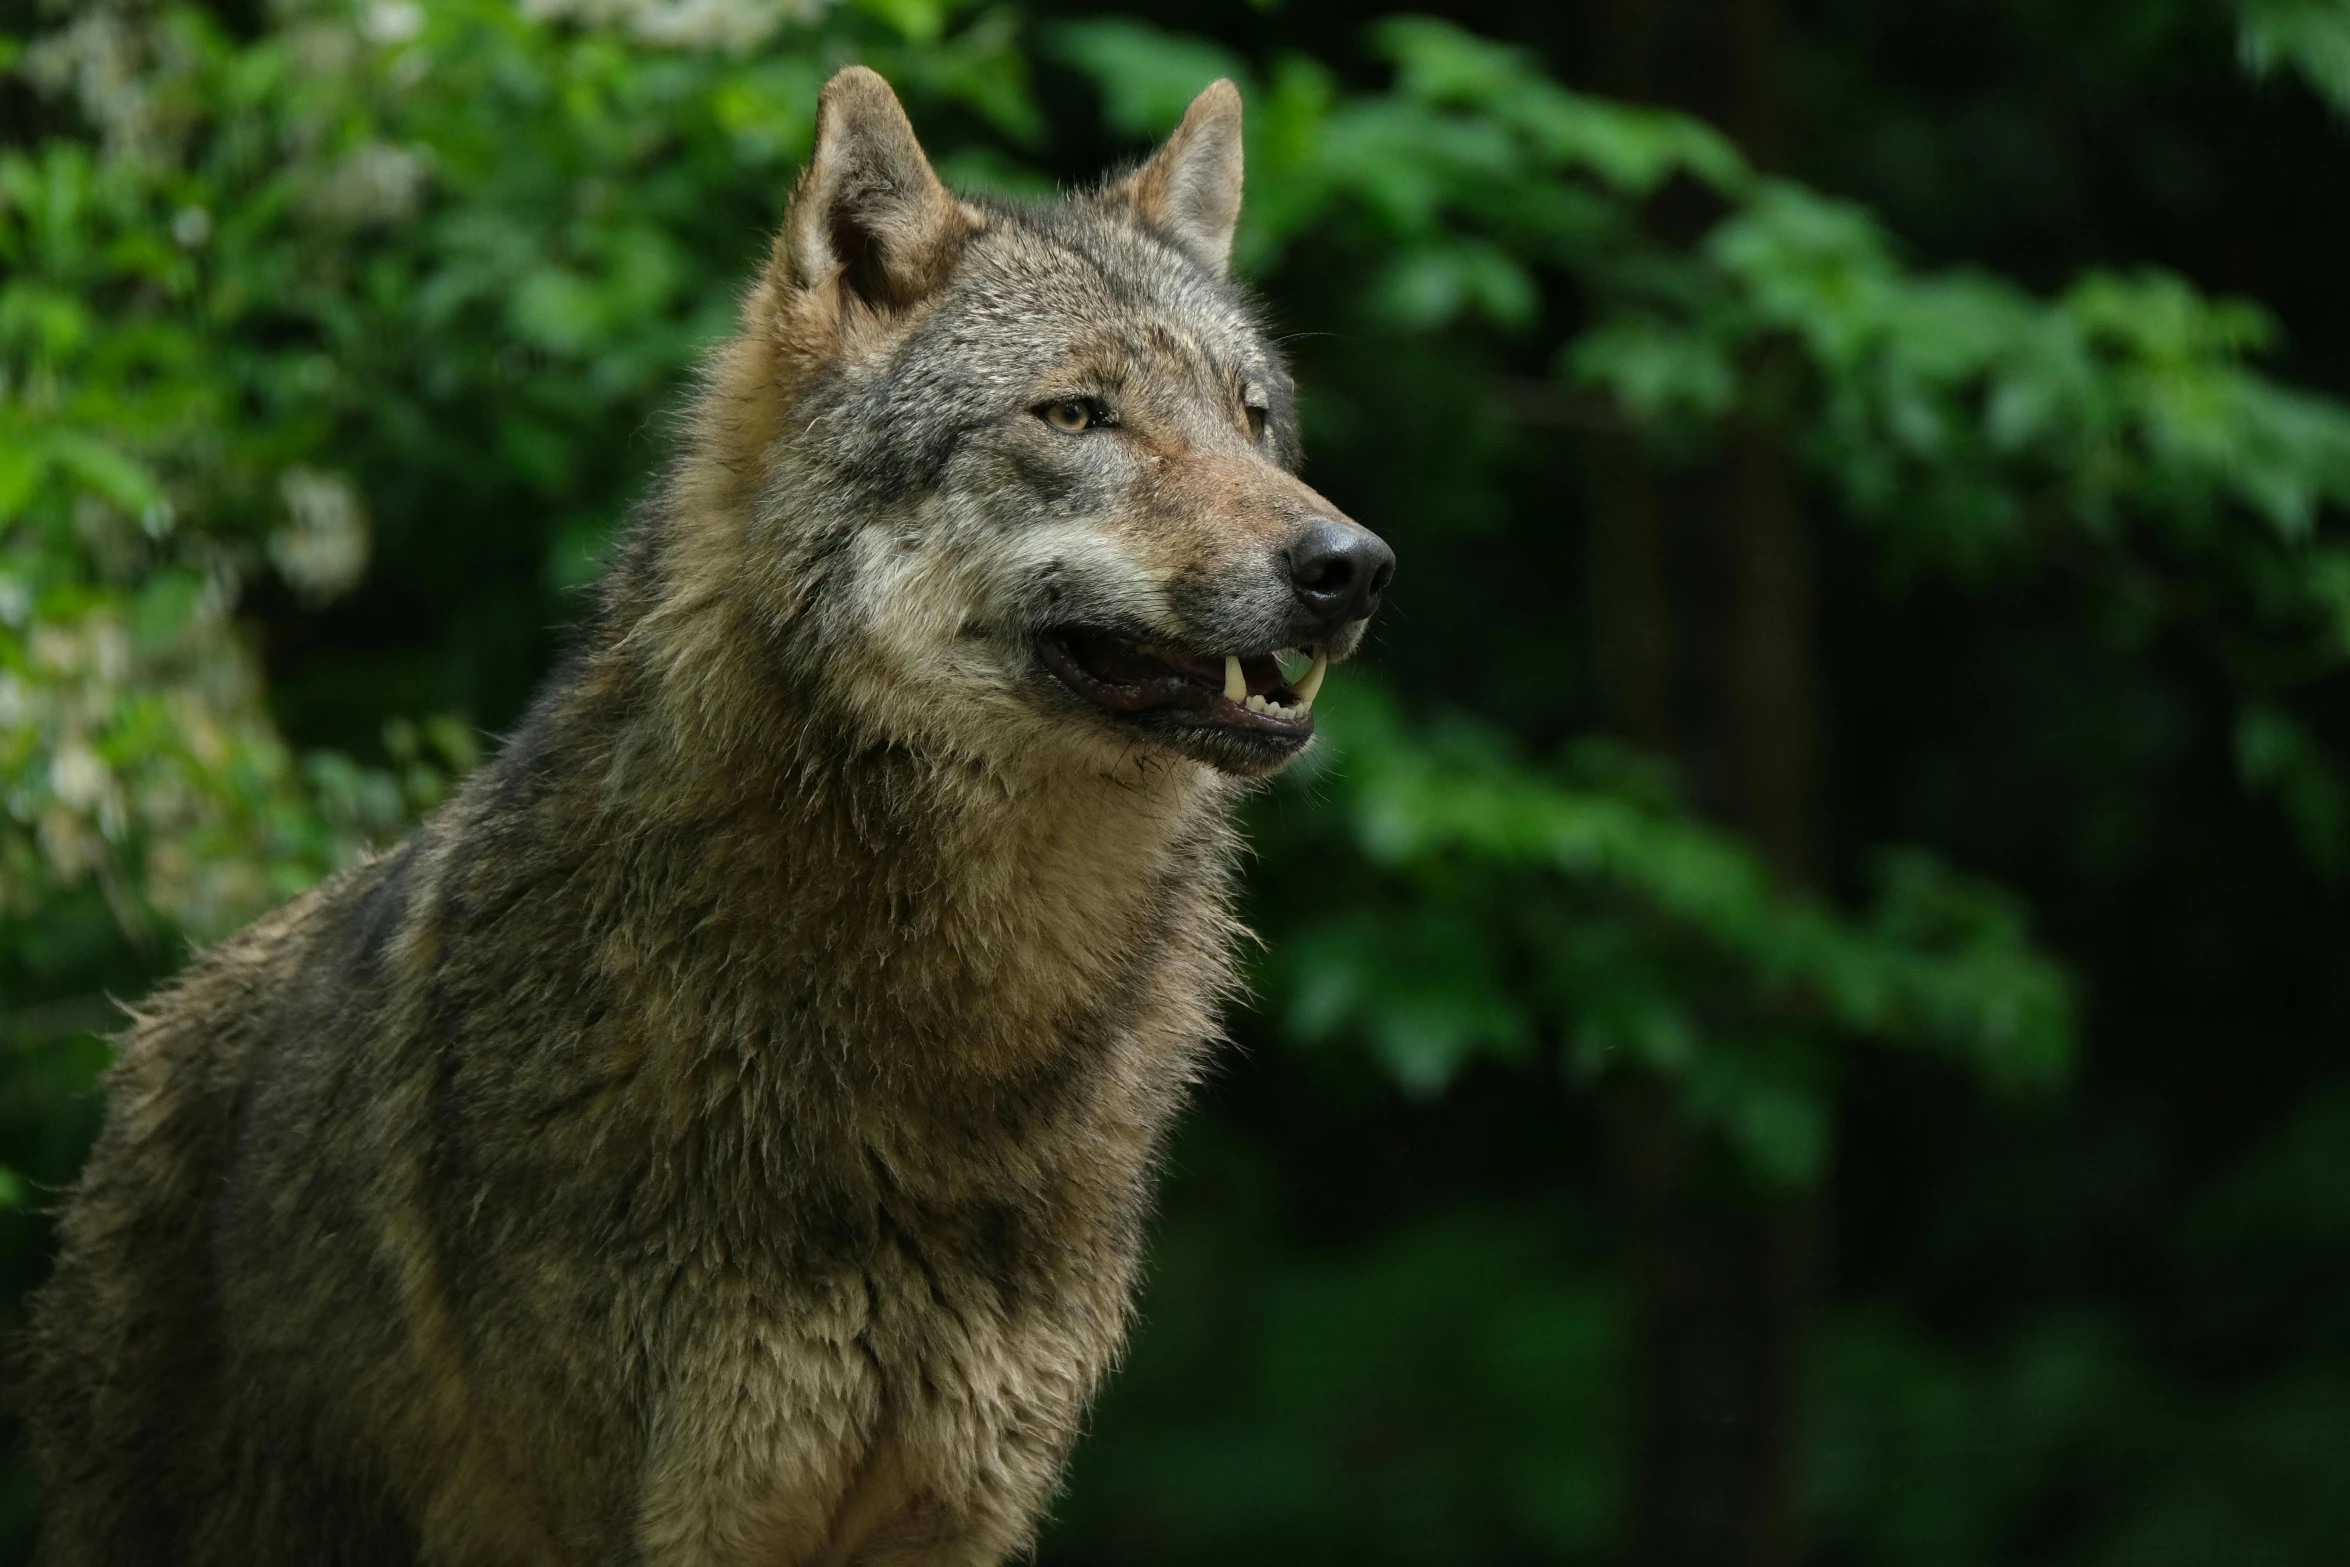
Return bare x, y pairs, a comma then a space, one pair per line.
1339, 570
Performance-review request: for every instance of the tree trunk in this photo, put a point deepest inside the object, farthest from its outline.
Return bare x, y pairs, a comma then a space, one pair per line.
1703, 622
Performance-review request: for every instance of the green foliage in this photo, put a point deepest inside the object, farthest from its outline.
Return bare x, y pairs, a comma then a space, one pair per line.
1482, 1436
1964, 416
288, 271
2117, 430
2276, 752
1512, 904
385, 294
1472, 178
1930, 1457
2309, 37
2292, 1194
495, 225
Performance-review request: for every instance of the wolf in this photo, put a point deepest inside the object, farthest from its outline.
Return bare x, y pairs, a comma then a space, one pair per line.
724, 1132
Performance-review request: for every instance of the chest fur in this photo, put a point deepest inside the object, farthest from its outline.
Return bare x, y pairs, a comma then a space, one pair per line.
899, 1357
842, 1127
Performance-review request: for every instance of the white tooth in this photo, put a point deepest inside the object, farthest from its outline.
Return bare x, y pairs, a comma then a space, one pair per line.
1255, 704
1312, 683
1235, 683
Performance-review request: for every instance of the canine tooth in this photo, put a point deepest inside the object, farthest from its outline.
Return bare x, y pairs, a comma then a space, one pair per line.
1312, 682
1235, 683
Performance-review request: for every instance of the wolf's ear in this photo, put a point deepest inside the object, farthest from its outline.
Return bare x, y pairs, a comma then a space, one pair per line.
870, 211
1191, 186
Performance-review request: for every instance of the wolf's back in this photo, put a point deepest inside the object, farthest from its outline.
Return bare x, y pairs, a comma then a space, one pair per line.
148, 1448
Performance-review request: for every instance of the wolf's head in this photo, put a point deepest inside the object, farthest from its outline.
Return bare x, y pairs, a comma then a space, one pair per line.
1020, 479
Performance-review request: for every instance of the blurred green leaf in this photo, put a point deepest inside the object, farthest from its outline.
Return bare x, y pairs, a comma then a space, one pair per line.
1148, 77
2276, 752
2309, 37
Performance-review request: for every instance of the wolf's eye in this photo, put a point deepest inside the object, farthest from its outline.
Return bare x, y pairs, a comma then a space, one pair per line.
1256, 422
1073, 414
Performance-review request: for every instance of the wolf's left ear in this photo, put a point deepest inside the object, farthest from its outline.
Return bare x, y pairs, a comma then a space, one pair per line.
869, 212
1191, 186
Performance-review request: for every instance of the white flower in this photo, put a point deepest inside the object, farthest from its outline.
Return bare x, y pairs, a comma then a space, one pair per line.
393, 21
736, 25
375, 182
322, 549
77, 778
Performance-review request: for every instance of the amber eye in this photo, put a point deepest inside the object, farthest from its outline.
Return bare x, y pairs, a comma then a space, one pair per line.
1073, 414
1256, 422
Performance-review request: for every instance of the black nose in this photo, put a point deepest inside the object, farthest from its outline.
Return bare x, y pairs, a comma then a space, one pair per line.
1339, 570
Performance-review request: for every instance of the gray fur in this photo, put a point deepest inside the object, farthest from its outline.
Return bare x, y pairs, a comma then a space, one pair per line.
724, 1133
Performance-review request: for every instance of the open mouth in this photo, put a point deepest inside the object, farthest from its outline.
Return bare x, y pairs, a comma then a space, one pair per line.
1243, 692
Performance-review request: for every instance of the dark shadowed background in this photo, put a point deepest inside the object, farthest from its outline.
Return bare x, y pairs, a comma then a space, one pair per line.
1805, 1000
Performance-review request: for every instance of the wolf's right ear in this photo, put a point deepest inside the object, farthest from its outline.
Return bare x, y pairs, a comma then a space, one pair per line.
870, 214
1191, 186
